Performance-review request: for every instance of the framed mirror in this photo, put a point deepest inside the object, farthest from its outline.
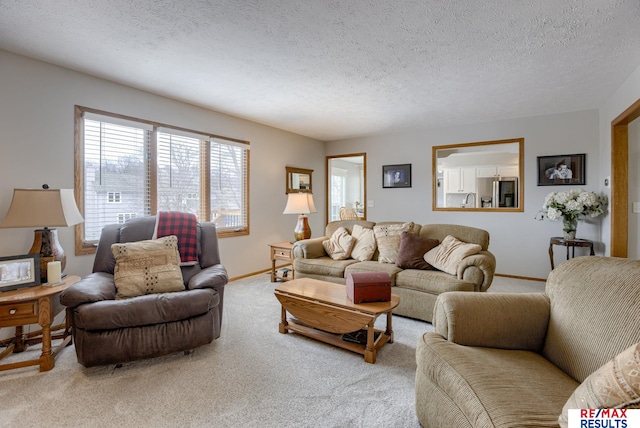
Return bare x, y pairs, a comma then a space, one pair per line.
298, 180
347, 186
482, 176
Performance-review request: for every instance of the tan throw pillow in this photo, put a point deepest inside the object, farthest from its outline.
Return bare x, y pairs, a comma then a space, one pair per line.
412, 250
365, 245
448, 255
147, 267
616, 385
388, 240
339, 245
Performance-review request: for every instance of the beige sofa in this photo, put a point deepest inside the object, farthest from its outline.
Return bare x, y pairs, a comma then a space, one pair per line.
506, 360
417, 289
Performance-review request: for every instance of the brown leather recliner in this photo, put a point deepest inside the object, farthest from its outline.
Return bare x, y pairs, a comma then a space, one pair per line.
110, 331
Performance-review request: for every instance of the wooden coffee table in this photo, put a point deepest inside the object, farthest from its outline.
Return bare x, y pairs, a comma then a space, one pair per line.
324, 312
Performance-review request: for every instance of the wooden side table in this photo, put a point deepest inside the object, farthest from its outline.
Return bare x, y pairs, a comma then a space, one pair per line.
34, 305
569, 243
281, 251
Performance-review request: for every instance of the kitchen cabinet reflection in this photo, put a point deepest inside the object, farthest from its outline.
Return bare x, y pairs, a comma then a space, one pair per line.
482, 176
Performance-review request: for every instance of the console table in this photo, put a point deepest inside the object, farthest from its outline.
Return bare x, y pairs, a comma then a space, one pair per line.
34, 305
569, 243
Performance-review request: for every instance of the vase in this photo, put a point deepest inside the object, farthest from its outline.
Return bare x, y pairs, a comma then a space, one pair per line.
569, 226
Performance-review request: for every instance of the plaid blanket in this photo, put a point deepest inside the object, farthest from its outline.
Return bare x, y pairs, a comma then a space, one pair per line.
184, 226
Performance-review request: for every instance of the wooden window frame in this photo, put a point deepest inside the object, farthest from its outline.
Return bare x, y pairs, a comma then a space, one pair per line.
83, 246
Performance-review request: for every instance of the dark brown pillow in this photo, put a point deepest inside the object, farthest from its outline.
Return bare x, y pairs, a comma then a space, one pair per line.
412, 250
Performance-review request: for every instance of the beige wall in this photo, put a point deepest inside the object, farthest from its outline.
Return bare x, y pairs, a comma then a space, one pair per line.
519, 242
36, 147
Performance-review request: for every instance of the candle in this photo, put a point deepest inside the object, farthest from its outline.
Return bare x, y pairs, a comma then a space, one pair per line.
54, 272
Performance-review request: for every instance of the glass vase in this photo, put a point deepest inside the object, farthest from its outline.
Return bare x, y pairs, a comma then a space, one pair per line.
569, 226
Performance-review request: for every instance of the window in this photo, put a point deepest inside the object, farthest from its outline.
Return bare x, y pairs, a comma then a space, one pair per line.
337, 189
114, 197
122, 217
143, 167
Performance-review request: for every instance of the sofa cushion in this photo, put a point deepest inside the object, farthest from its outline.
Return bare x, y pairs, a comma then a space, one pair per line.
431, 281
616, 385
412, 250
373, 266
448, 255
339, 245
365, 245
145, 310
322, 266
147, 267
388, 240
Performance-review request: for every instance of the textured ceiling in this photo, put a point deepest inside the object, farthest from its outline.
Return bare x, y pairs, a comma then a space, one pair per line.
339, 69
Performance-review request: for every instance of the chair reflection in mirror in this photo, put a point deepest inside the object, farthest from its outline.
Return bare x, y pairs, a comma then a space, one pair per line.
348, 214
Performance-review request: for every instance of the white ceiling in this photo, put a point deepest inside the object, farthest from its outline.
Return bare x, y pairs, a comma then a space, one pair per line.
344, 68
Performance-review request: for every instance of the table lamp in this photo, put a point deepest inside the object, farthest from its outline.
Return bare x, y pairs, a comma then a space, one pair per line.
48, 208
301, 204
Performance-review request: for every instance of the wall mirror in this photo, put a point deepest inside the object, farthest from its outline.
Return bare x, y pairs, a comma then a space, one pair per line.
298, 180
482, 176
346, 186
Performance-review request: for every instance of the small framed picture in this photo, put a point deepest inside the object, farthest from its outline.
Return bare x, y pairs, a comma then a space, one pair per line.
396, 175
561, 169
19, 271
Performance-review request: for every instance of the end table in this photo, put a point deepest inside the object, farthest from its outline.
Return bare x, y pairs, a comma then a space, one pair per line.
569, 243
281, 251
34, 305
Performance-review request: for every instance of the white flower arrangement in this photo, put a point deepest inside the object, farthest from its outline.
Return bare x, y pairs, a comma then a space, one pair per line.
573, 205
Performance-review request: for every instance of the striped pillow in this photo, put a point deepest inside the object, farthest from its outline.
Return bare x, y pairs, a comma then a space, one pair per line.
388, 240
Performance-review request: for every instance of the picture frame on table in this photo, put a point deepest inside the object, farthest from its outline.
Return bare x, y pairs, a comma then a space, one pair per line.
19, 271
562, 170
396, 176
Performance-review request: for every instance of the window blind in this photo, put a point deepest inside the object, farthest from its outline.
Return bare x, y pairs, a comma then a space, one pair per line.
115, 163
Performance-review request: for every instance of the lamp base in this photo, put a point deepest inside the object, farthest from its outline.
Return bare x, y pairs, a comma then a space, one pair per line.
45, 243
302, 230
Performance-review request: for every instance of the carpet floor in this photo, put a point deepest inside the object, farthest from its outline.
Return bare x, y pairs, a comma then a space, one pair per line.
252, 376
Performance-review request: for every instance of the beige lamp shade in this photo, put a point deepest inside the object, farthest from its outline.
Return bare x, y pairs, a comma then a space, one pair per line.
301, 204
48, 208
42, 208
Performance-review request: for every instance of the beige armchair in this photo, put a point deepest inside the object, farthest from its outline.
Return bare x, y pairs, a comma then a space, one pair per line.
505, 360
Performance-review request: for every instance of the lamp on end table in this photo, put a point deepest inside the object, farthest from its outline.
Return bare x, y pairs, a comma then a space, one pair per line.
48, 208
301, 204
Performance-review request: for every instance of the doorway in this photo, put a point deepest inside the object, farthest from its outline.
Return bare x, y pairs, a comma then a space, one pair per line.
620, 180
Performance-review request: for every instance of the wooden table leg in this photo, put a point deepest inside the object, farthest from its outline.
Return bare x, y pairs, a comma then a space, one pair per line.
370, 351
551, 255
18, 340
284, 325
389, 331
44, 319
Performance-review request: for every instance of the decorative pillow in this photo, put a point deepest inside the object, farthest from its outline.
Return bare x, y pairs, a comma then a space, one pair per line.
388, 240
147, 267
412, 250
339, 245
365, 245
616, 385
448, 255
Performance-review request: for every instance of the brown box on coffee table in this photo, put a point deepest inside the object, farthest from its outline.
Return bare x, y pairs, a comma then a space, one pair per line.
369, 287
